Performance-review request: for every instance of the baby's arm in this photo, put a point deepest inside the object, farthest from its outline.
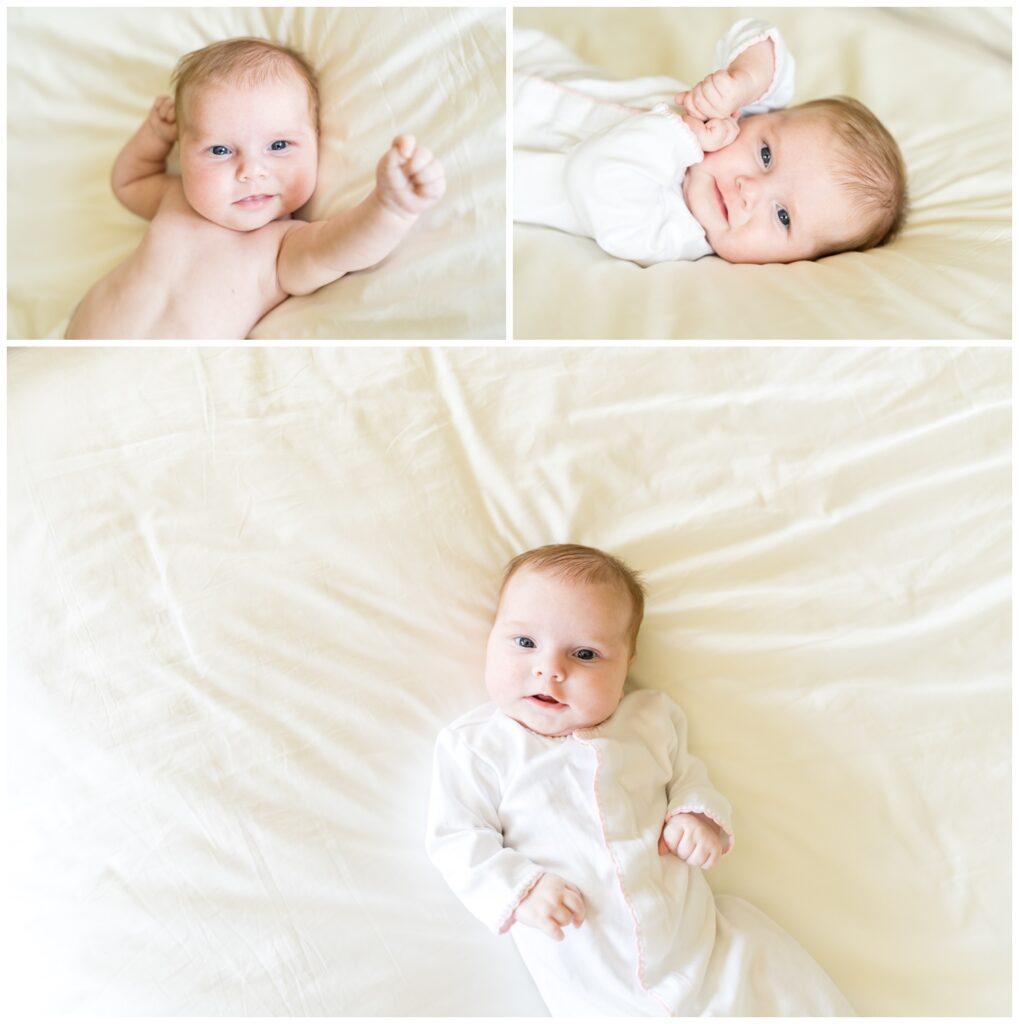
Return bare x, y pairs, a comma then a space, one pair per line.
464, 838
550, 905
621, 183
724, 93
139, 179
692, 799
408, 181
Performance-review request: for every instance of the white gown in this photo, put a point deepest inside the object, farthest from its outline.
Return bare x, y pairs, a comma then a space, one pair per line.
508, 805
605, 158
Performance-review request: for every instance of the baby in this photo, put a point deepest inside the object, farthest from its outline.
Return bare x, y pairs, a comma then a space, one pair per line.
567, 802
222, 249
731, 174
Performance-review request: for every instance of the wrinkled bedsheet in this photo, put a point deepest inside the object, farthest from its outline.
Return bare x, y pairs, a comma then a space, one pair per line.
939, 78
80, 81
248, 586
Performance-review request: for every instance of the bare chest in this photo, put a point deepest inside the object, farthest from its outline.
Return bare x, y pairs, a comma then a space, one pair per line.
189, 278
210, 268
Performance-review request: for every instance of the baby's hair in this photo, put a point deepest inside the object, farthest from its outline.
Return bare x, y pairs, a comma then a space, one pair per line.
580, 564
869, 166
247, 59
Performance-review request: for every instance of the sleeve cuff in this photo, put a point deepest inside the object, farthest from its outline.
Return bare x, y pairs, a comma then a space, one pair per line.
508, 918
728, 838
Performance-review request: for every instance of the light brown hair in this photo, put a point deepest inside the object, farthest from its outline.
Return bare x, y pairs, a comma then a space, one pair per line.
245, 59
869, 166
580, 564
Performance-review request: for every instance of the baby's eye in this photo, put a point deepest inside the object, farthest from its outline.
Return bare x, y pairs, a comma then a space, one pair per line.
279, 145
219, 150
586, 654
766, 155
783, 217
523, 641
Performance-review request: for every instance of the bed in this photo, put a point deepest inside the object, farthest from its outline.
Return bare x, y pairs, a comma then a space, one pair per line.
248, 586
939, 78
81, 80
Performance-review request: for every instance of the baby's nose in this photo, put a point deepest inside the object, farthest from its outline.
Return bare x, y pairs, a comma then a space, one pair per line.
549, 669
250, 167
748, 190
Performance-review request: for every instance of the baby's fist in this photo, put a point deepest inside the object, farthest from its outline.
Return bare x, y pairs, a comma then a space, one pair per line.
721, 94
163, 119
692, 838
550, 905
715, 133
409, 179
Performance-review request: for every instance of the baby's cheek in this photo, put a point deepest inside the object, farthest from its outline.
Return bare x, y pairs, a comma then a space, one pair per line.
199, 190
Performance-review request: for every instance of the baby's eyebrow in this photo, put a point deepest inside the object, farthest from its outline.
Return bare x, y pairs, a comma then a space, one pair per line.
208, 135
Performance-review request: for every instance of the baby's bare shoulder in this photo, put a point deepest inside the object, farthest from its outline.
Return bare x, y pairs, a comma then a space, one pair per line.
173, 197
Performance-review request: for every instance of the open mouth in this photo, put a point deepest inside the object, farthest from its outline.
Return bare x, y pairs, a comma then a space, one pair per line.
721, 202
253, 201
545, 701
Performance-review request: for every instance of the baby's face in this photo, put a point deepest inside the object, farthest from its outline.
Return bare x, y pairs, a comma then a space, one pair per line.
248, 152
558, 652
770, 196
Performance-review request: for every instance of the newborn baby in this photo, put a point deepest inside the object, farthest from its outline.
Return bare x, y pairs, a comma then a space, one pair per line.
565, 802
222, 249
729, 173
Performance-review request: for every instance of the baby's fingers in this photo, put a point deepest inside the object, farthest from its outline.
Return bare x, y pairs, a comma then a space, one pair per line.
685, 100
688, 101
428, 173
698, 856
574, 903
391, 168
422, 158
164, 108
405, 145
430, 181
713, 100
722, 131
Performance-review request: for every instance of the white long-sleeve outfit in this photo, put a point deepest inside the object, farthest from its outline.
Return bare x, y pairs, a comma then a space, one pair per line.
606, 158
508, 805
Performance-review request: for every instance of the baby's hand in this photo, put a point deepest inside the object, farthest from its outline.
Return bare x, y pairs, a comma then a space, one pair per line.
692, 838
163, 119
725, 93
721, 94
551, 904
408, 178
713, 134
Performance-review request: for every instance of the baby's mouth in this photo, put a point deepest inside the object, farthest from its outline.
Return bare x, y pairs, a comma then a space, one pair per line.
256, 200
721, 201
546, 701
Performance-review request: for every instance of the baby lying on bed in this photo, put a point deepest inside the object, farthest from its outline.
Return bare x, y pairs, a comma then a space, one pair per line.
731, 174
222, 249
565, 801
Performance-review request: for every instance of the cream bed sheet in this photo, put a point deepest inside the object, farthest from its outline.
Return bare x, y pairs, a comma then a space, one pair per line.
939, 78
81, 80
247, 586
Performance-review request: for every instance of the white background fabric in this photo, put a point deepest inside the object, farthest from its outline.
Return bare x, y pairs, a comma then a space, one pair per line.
81, 81
940, 80
248, 586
